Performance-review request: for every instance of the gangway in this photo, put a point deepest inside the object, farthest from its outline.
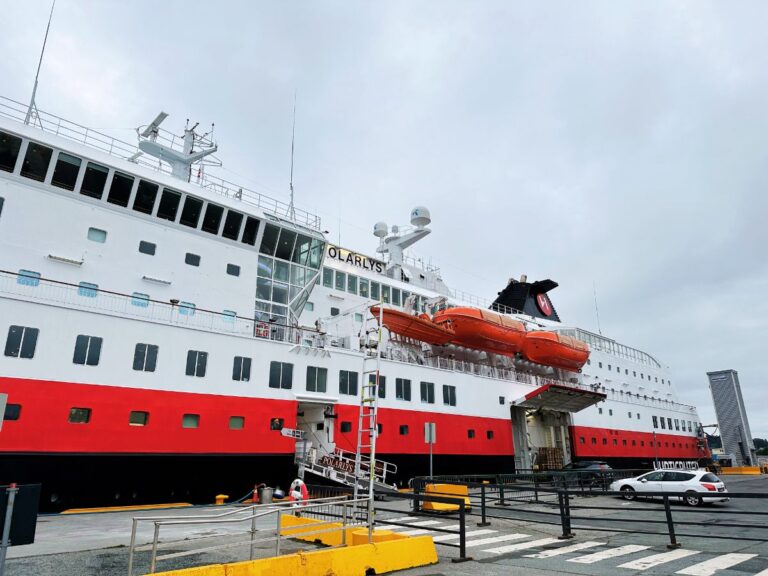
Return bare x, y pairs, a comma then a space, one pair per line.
339, 466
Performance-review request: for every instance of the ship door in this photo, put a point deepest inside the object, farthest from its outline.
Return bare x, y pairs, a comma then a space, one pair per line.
317, 421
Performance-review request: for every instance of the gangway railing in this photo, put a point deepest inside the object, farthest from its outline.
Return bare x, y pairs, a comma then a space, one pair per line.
339, 466
263, 524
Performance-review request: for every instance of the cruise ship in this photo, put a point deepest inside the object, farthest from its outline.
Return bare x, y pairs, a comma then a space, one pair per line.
169, 336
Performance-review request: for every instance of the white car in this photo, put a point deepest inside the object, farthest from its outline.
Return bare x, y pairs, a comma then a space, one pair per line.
694, 487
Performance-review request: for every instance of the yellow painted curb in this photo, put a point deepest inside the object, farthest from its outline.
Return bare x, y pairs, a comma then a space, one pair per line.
126, 508
302, 528
744, 470
446, 491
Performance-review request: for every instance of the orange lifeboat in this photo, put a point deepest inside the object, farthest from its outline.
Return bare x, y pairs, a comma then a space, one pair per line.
553, 349
417, 327
483, 330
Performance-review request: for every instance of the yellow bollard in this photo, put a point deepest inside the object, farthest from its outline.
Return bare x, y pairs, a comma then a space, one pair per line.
221, 498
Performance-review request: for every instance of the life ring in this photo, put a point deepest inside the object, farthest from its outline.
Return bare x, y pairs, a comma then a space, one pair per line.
298, 493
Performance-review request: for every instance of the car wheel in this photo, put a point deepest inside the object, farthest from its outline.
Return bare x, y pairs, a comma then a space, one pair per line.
627, 492
693, 499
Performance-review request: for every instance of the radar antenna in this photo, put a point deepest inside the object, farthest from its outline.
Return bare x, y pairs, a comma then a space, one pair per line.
291, 209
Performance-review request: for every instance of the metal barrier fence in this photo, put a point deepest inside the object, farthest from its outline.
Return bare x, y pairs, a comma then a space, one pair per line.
335, 513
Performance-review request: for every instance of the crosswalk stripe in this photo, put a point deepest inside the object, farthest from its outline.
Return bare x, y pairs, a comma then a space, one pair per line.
495, 539
468, 534
609, 553
565, 549
523, 545
709, 567
426, 523
658, 559
415, 532
762, 573
401, 519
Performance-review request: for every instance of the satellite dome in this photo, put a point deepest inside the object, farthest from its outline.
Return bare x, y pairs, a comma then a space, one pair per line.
380, 229
420, 217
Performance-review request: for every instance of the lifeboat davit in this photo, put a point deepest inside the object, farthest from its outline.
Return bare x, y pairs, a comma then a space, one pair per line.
553, 349
483, 330
416, 327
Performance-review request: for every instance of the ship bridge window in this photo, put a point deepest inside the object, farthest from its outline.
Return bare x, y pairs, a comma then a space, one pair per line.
233, 269
341, 280
241, 369
348, 382
66, 170
395, 296
285, 244
87, 289
145, 357
197, 361
327, 277
190, 214
317, 379
192, 259
138, 418
87, 350
120, 190
428, 392
212, 219
269, 239
21, 342
147, 247
9, 151
385, 293
301, 250
403, 389
79, 415
364, 287
449, 395
169, 205
232, 224
677, 424
663, 423
281, 375
282, 271
316, 253
94, 181
352, 284
375, 290
12, 412
280, 293
250, 231
669, 422
36, 162
146, 194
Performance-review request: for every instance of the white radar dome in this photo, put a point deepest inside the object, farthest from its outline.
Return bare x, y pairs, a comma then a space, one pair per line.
420, 217
380, 229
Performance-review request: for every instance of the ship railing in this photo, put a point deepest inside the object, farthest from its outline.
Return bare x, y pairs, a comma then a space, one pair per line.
247, 527
119, 148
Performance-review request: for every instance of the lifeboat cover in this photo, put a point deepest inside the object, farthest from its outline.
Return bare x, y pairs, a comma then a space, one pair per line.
560, 398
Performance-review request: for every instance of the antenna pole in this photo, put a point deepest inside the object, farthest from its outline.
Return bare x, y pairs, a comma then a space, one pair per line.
32, 105
293, 141
597, 312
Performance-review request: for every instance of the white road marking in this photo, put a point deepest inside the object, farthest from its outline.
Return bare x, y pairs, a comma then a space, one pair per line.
415, 532
762, 573
495, 539
401, 519
709, 567
426, 523
609, 553
565, 550
658, 559
468, 534
523, 545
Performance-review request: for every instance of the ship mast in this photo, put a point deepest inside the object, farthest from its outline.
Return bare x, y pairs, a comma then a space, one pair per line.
32, 105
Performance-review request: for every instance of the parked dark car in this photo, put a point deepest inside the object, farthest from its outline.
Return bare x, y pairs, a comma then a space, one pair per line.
588, 474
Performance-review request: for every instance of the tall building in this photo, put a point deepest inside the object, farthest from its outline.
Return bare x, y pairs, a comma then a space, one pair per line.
732, 416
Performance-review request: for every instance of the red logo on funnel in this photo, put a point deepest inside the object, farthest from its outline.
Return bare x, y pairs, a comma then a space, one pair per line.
543, 303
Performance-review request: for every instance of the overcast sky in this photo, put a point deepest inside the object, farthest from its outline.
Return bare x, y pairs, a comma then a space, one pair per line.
616, 147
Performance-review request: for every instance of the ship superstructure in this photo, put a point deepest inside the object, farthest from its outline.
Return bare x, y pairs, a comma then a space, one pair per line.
169, 335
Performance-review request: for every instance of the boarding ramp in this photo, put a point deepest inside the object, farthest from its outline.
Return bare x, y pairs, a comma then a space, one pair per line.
339, 466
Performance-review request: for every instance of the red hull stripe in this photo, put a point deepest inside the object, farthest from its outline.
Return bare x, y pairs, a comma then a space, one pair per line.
44, 427
609, 443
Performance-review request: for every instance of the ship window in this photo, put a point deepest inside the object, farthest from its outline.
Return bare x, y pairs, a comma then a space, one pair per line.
364, 287
265, 268
146, 195
599, 410
449, 395
250, 231
428, 392
610, 411
385, 293
470, 433
87, 350
403, 429
335, 311
589, 361
138, 418
352, 284
677, 424
615, 442
233, 269
663, 424
94, 181
147, 247
301, 250
241, 369
2, 201
285, 244
638, 414
66, 170
634, 373
190, 214
358, 317
395, 296
145, 357
642, 376
281, 375
232, 224
348, 382
609, 367
501, 400
327, 277
317, 379
624, 442
197, 362
689, 426
236, 422
187, 308
79, 415
629, 414
169, 205
263, 288
280, 293
600, 364
374, 290
605, 441
626, 371
192, 259
582, 440
212, 219
642, 442
28, 278
382, 392
9, 151
489, 434
282, 271
269, 239
140, 299
403, 389
12, 412
21, 342
120, 190
594, 440
36, 162
276, 423
309, 306
341, 280
669, 421
87, 289
346, 427
190, 421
